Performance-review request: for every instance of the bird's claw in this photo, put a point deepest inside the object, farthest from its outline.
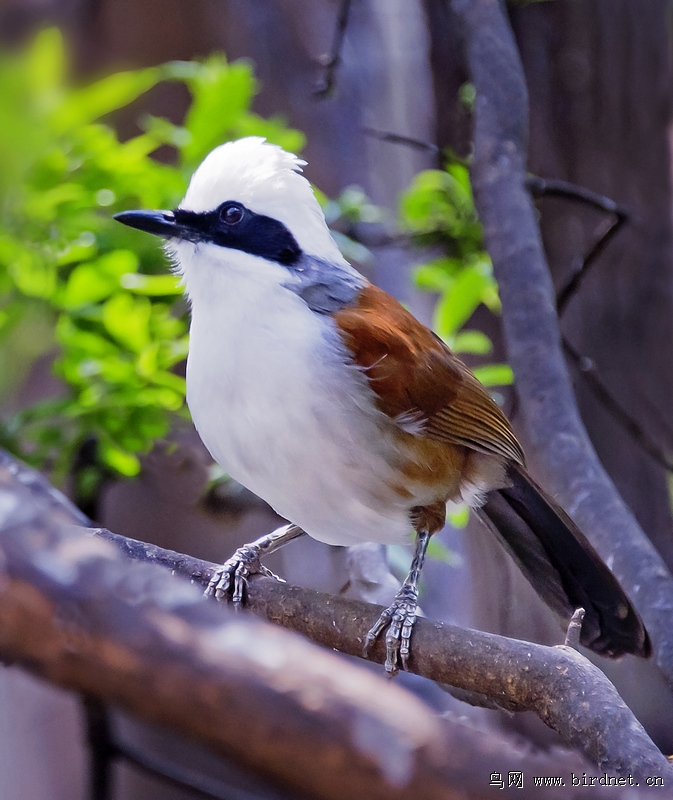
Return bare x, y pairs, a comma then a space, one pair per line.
233, 575
399, 617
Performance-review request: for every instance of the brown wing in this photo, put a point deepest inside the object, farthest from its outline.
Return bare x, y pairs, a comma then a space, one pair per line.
417, 379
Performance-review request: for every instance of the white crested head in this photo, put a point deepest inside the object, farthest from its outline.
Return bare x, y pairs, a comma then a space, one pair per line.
267, 180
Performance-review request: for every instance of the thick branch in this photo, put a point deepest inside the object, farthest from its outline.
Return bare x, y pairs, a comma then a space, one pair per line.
520, 676
531, 327
76, 611
43, 559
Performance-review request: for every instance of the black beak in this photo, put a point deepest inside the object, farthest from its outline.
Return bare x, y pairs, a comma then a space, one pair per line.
160, 223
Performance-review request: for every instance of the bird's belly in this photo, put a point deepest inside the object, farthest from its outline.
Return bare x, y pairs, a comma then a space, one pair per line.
302, 433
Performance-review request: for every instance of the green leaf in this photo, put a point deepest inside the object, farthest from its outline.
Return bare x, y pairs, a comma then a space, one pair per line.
474, 342
173, 382
160, 396
462, 187
98, 279
422, 204
82, 249
221, 93
460, 301
45, 205
117, 459
100, 98
494, 374
164, 131
127, 319
154, 285
34, 273
437, 275
147, 360
46, 62
78, 342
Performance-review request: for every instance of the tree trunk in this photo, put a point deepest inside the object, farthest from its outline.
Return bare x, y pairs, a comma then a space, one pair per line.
599, 78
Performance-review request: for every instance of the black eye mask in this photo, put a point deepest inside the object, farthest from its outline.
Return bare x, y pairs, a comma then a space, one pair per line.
235, 226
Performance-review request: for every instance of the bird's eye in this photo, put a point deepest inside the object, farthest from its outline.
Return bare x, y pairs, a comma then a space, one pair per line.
231, 214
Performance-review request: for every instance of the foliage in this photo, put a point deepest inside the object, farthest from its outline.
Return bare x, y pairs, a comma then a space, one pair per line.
438, 210
352, 206
76, 284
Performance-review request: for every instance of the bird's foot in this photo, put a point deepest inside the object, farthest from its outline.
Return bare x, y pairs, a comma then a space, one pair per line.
400, 618
233, 575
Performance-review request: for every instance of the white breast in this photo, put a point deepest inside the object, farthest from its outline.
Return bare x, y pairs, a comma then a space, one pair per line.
278, 407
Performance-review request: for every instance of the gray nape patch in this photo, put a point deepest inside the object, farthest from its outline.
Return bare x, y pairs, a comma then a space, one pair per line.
325, 287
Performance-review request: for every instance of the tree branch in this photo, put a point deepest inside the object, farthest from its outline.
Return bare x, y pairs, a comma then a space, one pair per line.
520, 676
541, 187
74, 610
66, 568
397, 138
331, 61
640, 436
531, 326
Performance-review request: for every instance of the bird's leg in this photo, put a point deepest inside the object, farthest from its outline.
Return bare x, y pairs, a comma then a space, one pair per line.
400, 616
233, 574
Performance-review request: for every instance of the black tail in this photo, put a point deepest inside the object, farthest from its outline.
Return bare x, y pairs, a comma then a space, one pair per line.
562, 566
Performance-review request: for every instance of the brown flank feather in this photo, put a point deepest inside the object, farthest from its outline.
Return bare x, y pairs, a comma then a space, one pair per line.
449, 426
412, 372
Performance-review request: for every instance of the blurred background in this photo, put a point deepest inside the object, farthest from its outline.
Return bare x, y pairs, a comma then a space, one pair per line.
107, 105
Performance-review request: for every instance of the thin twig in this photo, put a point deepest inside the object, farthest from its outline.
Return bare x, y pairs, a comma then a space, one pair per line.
397, 138
593, 380
541, 187
330, 62
611, 227
552, 187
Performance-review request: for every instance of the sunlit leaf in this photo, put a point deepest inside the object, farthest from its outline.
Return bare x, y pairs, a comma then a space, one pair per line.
155, 285
460, 301
95, 280
119, 460
46, 62
127, 319
34, 273
474, 342
210, 120
495, 374
437, 275
94, 101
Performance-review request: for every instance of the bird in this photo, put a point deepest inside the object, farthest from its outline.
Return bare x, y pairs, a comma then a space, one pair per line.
322, 394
